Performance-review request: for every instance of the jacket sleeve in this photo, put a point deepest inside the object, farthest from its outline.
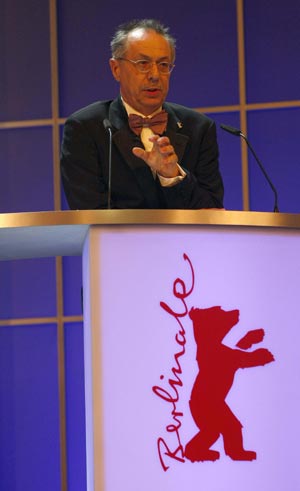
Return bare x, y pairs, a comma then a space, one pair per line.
80, 170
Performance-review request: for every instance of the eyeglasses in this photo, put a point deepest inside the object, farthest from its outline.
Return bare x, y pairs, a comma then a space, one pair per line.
145, 66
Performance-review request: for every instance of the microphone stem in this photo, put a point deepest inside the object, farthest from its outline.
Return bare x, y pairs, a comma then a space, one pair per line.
109, 170
276, 210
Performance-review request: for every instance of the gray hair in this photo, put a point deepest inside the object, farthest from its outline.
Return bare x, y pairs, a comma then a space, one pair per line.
119, 41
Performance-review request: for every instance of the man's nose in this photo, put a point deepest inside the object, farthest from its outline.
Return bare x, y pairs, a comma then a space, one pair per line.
154, 71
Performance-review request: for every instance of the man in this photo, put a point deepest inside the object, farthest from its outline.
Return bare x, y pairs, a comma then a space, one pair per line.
168, 163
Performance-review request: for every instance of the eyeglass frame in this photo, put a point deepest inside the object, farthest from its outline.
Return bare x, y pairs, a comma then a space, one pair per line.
158, 64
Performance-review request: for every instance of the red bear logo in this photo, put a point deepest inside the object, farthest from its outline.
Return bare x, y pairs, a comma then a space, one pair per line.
217, 366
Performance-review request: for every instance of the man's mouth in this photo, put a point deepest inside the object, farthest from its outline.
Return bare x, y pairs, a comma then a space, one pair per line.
152, 90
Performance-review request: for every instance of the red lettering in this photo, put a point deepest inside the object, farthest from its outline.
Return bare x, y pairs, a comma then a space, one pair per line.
168, 453
181, 292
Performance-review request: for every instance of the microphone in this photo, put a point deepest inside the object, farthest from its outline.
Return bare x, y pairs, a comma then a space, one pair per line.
108, 127
237, 132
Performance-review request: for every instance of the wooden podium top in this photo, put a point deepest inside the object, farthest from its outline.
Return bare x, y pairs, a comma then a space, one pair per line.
62, 233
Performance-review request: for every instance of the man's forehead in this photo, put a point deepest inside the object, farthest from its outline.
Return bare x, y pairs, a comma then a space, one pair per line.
147, 41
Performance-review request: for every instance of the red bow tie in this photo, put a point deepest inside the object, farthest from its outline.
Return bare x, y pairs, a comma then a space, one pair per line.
157, 123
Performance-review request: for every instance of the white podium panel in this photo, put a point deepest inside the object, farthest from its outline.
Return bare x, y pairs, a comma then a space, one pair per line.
146, 358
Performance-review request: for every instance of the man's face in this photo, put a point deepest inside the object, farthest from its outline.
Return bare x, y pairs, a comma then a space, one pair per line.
145, 92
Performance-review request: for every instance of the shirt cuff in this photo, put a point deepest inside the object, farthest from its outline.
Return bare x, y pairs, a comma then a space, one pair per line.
171, 181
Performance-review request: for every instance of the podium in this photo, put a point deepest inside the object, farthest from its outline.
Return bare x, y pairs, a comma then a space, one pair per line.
159, 288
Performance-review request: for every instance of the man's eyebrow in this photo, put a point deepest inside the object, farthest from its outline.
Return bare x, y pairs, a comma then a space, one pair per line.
141, 56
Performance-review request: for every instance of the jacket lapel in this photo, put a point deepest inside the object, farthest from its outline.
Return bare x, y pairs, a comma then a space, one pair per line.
175, 132
123, 137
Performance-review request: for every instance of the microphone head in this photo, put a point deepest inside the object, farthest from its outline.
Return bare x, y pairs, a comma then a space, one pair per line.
107, 124
230, 129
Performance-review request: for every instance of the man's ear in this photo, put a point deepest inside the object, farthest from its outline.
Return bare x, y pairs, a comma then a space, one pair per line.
115, 68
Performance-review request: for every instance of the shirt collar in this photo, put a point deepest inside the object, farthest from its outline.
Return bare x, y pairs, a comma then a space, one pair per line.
131, 110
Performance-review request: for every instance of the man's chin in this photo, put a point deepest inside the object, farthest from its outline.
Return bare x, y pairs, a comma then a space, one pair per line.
152, 104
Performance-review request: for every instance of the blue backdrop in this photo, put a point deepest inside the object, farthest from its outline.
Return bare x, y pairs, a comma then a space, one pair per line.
208, 75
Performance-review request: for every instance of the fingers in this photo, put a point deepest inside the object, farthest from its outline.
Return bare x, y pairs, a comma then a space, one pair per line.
139, 152
161, 158
163, 146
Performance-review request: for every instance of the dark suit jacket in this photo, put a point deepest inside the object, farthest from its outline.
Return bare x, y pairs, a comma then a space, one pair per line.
85, 151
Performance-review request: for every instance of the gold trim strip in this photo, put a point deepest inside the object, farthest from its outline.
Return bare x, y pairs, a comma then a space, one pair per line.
249, 107
40, 320
28, 321
272, 105
205, 109
55, 104
241, 53
242, 95
84, 219
59, 273
7, 125
61, 375
218, 109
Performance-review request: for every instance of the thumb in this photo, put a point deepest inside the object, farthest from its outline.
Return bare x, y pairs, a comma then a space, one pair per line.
139, 152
